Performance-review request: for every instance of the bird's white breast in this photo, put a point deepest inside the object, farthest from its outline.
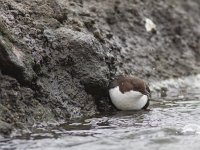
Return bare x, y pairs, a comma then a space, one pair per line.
132, 100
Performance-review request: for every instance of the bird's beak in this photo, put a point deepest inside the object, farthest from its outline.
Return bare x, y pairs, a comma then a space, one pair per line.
147, 93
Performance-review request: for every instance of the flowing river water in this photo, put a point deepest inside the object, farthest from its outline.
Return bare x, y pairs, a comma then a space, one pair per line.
173, 122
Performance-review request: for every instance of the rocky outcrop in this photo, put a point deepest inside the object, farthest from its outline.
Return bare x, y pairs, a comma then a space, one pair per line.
57, 57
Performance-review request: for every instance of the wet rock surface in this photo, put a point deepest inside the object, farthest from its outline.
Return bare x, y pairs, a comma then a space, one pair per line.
57, 57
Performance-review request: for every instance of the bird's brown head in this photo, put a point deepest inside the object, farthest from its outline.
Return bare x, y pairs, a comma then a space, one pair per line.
128, 83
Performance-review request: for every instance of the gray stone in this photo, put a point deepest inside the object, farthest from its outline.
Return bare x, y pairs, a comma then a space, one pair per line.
5, 128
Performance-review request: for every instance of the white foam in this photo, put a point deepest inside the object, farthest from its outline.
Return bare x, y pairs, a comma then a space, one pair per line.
191, 129
175, 85
177, 82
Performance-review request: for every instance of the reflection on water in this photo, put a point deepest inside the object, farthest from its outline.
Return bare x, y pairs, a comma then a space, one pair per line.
173, 122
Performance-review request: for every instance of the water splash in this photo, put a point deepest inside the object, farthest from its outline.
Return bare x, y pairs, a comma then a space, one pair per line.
190, 129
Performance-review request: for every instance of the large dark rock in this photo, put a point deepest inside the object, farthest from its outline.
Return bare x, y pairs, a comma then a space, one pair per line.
82, 56
57, 57
5, 128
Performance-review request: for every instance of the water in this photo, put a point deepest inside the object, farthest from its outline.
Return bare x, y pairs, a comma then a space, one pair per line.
173, 122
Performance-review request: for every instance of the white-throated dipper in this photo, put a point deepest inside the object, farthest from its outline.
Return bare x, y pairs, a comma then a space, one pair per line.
129, 93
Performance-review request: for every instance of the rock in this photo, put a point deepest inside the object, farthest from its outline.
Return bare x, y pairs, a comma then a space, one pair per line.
5, 128
14, 62
150, 25
85, 57
58, 57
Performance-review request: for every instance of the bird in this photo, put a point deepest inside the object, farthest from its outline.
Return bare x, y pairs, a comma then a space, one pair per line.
129, 93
